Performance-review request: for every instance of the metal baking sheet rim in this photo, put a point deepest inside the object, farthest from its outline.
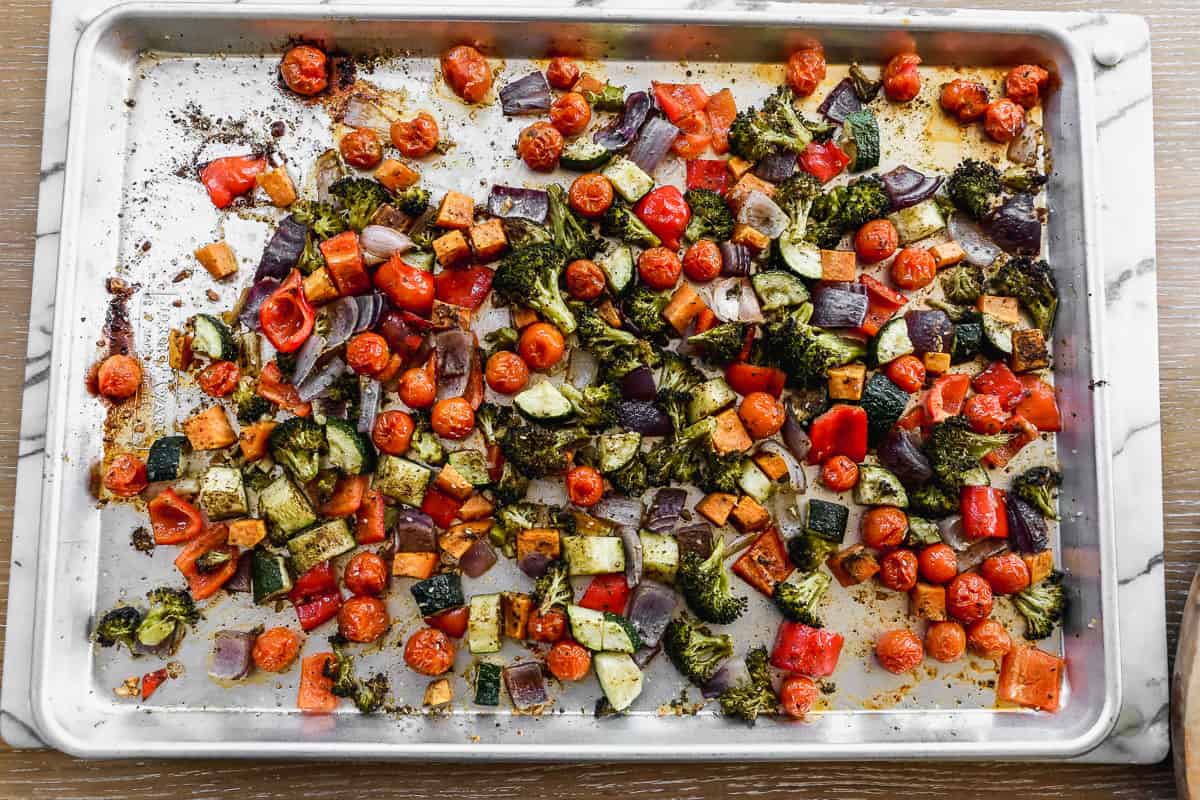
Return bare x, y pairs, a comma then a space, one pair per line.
55, 469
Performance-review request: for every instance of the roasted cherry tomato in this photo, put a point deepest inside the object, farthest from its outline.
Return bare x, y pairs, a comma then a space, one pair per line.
901, 81
363, 619
429, 652
305, 70
409, 288
119, 377
585, 486
899, 651
806, 70
1024, 84
507, 372
570, 114
125, 475
666, 214
540, 146
541, 345
1003, 120
938, 564
839, 474
898, 570
591, 195
762, 415
219, 378
568, 661
659, 268
968, 598
453, 418
884, 527
945, 641
702, 262
361, 148
876, 241
418, 386
548, 627
914, 268
798, 694
276, 648
746, 378
367, 353
985, 414
965, 100
989, 639
1006, 573
415, 137
562, 72
286, 318
366, 573
392, 432
907, 372
585, 279
452, 622
467, 73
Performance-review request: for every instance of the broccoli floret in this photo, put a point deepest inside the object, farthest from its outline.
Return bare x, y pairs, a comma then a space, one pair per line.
323, 485
677, 382
1042, 606
711, 218
755, 135
644, 308
806, 353
798, 600
932, 501
721, 343
752, 697
572, 233
720, 473
610, 98
1037, 486
705, 585
368, 695
520, 232
630, 480
681, 459
343, 397
795, 195
372, 693
595, 406
1022, 179
695, 650
809, 549
846, 208
512, 486
510, 520
171, 611
621, 223
963, 284
413, 201
118, 626
553, 588
505, 338
529, 277
954, 451
618, 351
250, 407
361, 197
1032, 283
424, 446
296, 443
321, 218
310, 259
493, 420
974, 188
212, 561
537, 452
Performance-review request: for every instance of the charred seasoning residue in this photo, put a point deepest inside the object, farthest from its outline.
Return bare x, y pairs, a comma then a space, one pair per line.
218, 131
118, 332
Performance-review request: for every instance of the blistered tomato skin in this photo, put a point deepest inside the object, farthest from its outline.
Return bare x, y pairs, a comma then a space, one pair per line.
901, 81
305, 70
806, 70
467, 73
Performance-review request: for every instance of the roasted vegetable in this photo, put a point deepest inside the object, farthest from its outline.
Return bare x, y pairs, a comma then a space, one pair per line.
1032, 283
296, 443
954, 451
171, 611
754, 696
1042, 606
705, 585
711, 217
536, 451
553, 588
361, 198
805, 352
529, 277
695, 650
1037, 486
798, 600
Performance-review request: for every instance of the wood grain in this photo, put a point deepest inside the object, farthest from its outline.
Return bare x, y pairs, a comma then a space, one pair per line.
41, 774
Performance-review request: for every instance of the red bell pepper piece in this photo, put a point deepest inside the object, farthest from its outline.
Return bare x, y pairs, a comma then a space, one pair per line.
452, 621
151, 681
409, 288
495, 462
999, 380
347, 496
806, 650
173, 519
368, 520
842, 430
1039, 405
319, 609
205, 584
677, 100
823, 160
765, 563
286, 317
272, 387
695, 134
226, 178
467, 287
344, 260
441, 507
665, 213
607, 593
984, 513
319, 580
1025, 434
707, 173
945, 398
882, 304
746, 378
721, 109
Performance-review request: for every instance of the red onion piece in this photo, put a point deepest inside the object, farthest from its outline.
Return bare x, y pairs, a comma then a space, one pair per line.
1023, 149
930, 330
796, 477
776, 167
454, 349
725, 298
241, 580
379, 243
413, 531
527, 95
735, 259
650, 608
478, 559
306, 358
259, 292
696, 538
841, 102
515, 201
980, 249
794, 436
900, 452
321, 380
582, 369
362, 112
283, 250
643, 417
748, 308
761, 213
620, 132
525, 684
834, 307
951, 530
907, 187
665, 510
369, 396
731, 673
638, 384
394, 329
619, 509
786, 514
632, 544
370, 308
534, 564
653, 143
974, 555
329, 170
343, 314
231, 654
1026, 527
645, 655
1015, 226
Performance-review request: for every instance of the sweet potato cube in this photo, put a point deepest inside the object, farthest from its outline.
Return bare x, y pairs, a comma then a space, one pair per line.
450, 481
457, 211
438, 693
730, 435
391, 217
1040, 565
683, 307
773, 465
414, 565
747, 183
765, 563
396, 175
488, 240
457, 540
936, 363
1029, 350
253, 439
745, 235
738, 167
748, 515
278, 186
451, 249
522, 317
319, 288
545, 541
928, 601
247, 532
477, 507
1005, 309
608, 312
210, 429
717, 507
853, 565
838, 265
846, 382
947, 254
1031, 678
218, 259
515, 608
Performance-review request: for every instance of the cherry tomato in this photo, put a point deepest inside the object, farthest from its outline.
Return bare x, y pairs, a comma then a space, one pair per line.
541, 345
1006, 573
126, 475
989, 639
945, 641
568, 661
453, 418
702, 262
361, 148
540, 146
415, 137
591, 195
507, 373
548, 627
585, 486
305, 70
746, 378
392, 432
467, 73
276, 648
899, 651
798, 694
366, 573
907, 372
219, 378
898, 570
119, 377
585, 279
367, 353
1025, 84
1003, 120
666, 213
901, 81
839, 474
968, 598
408, 287
363, 619
876, 241
659, 268
762, 415
570, 114
884, 527
965, 100
562, 72
914, 268
938, 564
418, 386
806, 70
985, 414
429, 652
453, 621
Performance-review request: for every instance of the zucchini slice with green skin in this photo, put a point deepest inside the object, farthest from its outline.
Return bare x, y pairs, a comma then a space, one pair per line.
616, 262
620, 679
593, 555
222, 493
165, 459
543, 402
584, 155
213, 338
483, 624
472, 465
660, 556
402, 480
285, 506
801, 257
269, 577
616, 450
754, 482
860, 140
778, 289
884, 403
891, 342
918, 222
322, 543
628, 179
587, 626
349, 451
619, 634
879, 487
709, 398
968, 341
487, 684
827, 520
438, 593
997, 337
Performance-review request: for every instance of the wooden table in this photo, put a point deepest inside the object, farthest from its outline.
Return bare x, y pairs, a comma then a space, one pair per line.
24, 26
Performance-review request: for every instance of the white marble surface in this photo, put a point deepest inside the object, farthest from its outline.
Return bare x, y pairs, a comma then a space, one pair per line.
1122, 47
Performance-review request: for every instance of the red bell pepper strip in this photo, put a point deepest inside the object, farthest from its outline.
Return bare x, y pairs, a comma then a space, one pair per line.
452, 621
707, 173
913, 419
677, 100
746, 379
1039, 405
409, 288
984, 513
441, 507
823, 160
882, 304
467, 288
473, 392
229, 177
368, 520
272, 387
842, 430
151, 681
999, 380
495, 462
173, 519
1025, 434
695, 134
607, 593
344, 260
205, 584
765, 563
665, 213
319, 580
945, 398
806, 650
721, 109
286, 317
319, 609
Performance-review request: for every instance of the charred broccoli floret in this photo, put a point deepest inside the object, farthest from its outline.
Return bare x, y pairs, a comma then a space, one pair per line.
310, 259
805, 352
754, 696
963, 284
954, 451
621, 223
537, 452
413, 201
118, 626
809, 549
529, 277
361, 198
632, 479
720, 473
1042, 606
553, 588
493, 420
321, 218
695, 650
1022, 179
974, 187
425, 446
677, 381
1032, 283
618, 351
932, 501
521, 232
610, 98
644, 308
505, 338
705, 585
865, 87
1037, 487
572, 233
512, 486
368, 695
250, 406
844, 209
711, 217
756, 134
595, 406
171, 611
721, 343
296, 443
681, 459
798, 600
